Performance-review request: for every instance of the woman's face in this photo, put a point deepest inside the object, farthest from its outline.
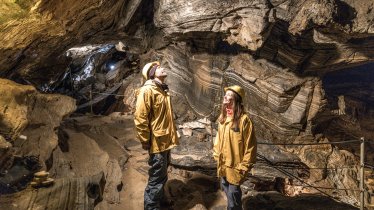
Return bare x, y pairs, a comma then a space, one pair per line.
228, 99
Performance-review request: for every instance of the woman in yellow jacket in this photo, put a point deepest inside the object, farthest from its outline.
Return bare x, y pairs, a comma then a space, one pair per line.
235, 145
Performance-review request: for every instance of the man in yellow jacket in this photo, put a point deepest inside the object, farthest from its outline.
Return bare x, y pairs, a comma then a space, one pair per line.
235, 146
156, 130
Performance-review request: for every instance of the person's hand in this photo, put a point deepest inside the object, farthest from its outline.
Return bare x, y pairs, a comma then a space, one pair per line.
146, 146
241, 172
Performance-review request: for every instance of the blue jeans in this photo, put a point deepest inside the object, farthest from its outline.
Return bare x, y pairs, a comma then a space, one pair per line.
233, 194
154, 192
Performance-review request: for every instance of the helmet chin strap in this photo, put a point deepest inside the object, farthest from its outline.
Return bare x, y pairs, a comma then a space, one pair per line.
162, 85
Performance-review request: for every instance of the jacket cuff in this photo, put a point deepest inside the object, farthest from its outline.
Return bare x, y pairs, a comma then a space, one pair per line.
242, 167
215, 157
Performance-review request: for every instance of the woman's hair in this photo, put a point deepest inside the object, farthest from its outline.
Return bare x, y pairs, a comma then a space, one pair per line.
238, 110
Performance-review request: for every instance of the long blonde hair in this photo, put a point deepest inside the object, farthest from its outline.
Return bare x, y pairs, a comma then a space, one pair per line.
238, 109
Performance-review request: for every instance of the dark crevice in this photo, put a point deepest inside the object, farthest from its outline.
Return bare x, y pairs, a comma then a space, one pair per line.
350, 110
143, 17
63, 140
19, 175
345, 13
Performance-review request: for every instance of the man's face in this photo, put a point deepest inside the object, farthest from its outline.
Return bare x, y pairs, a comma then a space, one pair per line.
160, 72
228, 99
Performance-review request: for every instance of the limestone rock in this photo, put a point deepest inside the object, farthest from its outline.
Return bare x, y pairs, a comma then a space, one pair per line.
271, 200
4, 144
87, 190
242, 22
35, 115
187, 131
193, 154
89, 145
14, 119
193, 125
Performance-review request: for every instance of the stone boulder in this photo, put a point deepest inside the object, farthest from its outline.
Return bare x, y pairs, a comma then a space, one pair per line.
29, 119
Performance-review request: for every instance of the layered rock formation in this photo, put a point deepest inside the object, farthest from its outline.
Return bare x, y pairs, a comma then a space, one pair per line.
299, 62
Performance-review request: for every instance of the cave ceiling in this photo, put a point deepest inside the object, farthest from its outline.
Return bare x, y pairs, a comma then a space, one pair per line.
331, 36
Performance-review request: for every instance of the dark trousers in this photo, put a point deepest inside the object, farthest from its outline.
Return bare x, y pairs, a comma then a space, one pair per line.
233, 194
154, 192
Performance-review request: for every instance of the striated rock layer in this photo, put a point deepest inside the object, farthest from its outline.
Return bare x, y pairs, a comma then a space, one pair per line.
305, 65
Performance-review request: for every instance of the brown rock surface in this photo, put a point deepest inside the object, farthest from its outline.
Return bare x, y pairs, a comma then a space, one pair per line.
100, 153
34, 115
299, 62
65, 193
274, 200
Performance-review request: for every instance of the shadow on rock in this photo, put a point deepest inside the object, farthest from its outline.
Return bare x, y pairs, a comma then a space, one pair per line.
196, 193
277, 201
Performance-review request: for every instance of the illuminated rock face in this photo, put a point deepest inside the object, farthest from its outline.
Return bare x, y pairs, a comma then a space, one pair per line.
279, 100
28, 118
282, 103
291, 57
277, 50
285, 107
288, 33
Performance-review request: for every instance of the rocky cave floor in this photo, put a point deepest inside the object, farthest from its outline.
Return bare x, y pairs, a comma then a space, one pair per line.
90, 144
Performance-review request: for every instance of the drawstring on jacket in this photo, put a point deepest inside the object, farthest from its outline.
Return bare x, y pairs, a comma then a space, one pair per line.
163, 86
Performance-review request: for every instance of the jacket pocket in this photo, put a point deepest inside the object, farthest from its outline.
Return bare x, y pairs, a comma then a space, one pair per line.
161, 132
234, 176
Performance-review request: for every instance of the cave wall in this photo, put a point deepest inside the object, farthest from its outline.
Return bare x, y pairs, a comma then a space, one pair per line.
282, 52
28, 120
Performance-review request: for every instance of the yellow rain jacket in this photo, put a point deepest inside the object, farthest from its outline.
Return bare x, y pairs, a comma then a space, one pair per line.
235, 151
153, 118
